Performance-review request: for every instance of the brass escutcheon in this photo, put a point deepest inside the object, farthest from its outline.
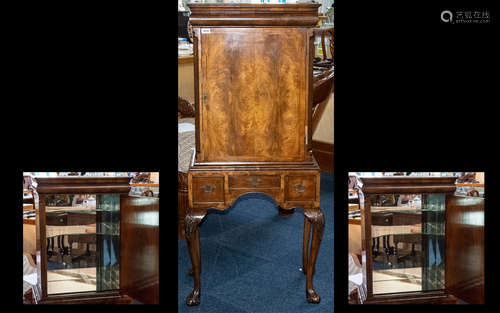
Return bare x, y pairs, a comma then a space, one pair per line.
208, 188
255, 181
299, 188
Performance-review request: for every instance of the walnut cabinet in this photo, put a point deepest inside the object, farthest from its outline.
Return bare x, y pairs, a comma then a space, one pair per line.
253, 98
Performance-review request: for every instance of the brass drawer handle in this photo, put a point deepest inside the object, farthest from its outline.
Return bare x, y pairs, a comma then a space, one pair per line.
255, 181
208, 188
299, 188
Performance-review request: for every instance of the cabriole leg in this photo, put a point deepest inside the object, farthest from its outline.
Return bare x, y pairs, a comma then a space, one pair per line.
305, 244
192, 231
317, 220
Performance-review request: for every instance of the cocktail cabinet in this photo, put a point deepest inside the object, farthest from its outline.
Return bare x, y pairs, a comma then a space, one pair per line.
253, 97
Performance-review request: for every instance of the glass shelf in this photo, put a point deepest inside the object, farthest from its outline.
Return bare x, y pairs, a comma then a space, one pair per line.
409, 234
415, 211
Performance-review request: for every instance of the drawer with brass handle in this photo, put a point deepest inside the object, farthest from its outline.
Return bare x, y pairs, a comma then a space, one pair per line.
254, 181
208, 189
300, 188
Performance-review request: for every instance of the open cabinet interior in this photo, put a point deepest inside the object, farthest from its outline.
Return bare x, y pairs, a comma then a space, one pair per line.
83, 242
421, 243
408, 245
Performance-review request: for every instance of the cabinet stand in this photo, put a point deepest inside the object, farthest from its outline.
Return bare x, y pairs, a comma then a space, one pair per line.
314, 222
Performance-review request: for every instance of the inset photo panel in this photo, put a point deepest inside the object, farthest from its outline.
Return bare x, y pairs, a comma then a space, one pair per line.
91, 237
416, 237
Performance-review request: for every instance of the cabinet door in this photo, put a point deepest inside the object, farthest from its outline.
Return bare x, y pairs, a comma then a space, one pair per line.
465, 248
139, 270
253, 94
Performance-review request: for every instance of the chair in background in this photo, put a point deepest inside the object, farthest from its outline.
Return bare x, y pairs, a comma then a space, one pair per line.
473, 193
185, 113
356, 291
147, 193
323, 76
30, 289
325, 32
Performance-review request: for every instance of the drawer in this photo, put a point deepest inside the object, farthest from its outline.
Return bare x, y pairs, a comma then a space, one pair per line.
404, 218
56, 219
76, 218
254, 181
395, 218
382, 219
300, 188
208, 189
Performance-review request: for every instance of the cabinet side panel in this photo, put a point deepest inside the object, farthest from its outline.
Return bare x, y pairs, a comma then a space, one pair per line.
464, 276
139, 237
253, 94
366, 242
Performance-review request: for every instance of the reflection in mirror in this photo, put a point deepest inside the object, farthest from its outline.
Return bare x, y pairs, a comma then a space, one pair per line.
82, 234
407, 242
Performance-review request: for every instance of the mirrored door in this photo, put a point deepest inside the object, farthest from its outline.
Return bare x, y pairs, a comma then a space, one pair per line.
408, 247
83, 242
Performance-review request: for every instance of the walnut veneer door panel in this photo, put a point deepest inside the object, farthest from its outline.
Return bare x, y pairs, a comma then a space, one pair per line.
253, 94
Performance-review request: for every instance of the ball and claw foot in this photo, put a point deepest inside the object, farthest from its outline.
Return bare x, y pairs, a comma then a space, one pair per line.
193, 298
312, 296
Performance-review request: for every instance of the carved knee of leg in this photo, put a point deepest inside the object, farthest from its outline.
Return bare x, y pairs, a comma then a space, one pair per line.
317, 219
190, 225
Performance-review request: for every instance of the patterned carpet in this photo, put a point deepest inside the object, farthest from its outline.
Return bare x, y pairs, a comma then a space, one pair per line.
251, 258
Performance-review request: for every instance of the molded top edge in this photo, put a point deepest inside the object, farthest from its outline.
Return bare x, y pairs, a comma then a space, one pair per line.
262, 6
69, 180
405, 184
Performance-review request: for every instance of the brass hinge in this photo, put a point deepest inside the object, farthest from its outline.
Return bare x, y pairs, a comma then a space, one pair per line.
204, 98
